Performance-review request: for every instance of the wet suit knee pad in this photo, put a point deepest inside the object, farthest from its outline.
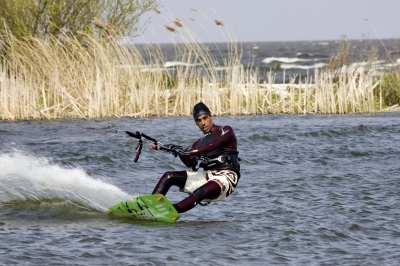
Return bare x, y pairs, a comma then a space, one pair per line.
177, 178
210, 190
199, 193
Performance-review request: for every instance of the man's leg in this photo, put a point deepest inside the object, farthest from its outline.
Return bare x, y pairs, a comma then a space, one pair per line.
209, 190
176, 178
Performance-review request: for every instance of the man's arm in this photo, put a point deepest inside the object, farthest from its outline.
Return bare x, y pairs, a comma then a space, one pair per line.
188, 160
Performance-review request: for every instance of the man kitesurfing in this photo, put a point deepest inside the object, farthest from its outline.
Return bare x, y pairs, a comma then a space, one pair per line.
217, 151
217, 154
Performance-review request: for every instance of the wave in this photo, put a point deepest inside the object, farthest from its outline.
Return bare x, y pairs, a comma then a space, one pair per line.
292, 66
178, 63
270, 60
29, 183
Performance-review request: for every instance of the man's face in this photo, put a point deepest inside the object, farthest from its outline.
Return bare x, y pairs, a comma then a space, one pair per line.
205, 123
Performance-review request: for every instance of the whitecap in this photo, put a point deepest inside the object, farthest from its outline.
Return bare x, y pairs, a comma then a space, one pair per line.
269, 60
177, 63
296, 66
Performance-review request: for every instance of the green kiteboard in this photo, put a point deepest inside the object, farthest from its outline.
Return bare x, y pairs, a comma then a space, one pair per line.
154, 207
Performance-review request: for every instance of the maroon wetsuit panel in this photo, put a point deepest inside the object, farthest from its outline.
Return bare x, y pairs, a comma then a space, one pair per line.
177, 178
220, 140
209, 190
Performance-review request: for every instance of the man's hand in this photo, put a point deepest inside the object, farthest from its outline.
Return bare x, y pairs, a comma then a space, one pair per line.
184, 152
174, 149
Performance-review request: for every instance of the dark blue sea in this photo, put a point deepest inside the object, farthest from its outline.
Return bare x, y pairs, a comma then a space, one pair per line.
315, 190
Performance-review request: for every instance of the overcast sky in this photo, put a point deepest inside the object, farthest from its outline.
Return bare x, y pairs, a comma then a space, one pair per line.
275, 20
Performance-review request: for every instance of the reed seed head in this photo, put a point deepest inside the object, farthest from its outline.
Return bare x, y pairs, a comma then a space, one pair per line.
177, 23
219, 23
170, 28
156, 11
97, 23
108, 26
101, 25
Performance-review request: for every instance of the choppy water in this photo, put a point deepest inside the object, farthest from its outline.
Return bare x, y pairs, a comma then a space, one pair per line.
286, 60
315, 190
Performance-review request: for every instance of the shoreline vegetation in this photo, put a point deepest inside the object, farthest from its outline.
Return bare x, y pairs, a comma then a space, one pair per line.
93, 77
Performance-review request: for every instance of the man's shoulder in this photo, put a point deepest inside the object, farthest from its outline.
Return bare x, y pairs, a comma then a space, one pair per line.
222, 130
217, 127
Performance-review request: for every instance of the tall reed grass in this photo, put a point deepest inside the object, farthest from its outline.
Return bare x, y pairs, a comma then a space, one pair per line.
68, 78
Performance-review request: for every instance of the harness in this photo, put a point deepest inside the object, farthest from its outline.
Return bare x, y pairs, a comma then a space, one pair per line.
226, 160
